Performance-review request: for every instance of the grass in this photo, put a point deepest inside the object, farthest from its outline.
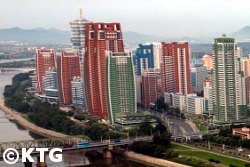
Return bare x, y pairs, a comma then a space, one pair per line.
206, 156
178, 147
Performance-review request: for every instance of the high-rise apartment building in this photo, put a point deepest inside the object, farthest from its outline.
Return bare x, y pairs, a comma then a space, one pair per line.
144, 58
68, 65
245, 65
208, 97
175, 68
148, 56
50, 86
45, 61
198, 75
229, 103
77, 90
78, 44
121, 94
149, 88
100, 37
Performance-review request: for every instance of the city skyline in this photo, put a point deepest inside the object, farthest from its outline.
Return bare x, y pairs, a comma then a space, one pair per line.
163, 18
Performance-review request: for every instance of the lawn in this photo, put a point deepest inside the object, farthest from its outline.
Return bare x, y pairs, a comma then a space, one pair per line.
205, 155
178, 147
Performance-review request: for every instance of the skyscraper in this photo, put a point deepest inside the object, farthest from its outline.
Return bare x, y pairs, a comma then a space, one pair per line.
149, 88
228, 83
121, 92
148, 57
45, 61
99, 37
50, 86
78, 44
198, 75
175, 68
208, 97
144, 58
68, 64
77, 92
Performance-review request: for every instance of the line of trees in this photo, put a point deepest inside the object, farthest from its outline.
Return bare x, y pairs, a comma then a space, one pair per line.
225, 137
161, 107
51, 117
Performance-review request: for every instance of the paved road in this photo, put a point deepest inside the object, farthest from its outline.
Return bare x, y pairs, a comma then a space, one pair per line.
178, 127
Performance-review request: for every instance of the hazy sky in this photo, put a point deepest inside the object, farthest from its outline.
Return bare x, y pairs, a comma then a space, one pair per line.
169, 18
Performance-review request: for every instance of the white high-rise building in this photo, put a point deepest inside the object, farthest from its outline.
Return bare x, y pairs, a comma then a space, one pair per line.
77, 92
78, 44
208, 97
157, 55
198, 74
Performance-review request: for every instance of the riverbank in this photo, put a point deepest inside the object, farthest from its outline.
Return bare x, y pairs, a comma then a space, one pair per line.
17, 117
151, 160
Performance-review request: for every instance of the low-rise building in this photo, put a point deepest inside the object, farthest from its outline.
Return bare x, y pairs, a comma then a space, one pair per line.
244, 132
195, 105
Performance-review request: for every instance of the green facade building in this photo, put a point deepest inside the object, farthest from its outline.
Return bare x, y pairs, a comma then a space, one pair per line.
120, 80
229, 99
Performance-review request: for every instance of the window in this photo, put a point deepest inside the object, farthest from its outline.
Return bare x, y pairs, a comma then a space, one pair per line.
118, 35
92, 35
101, 35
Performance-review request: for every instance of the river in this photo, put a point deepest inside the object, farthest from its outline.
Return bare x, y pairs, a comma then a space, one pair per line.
10, 131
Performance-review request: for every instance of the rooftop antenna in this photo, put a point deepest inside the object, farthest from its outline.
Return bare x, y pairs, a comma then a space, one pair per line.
80, 13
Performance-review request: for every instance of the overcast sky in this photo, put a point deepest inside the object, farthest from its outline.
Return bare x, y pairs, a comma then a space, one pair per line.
169, 18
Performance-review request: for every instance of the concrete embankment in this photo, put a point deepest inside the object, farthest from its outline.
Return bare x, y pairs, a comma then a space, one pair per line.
16, 117
151, 160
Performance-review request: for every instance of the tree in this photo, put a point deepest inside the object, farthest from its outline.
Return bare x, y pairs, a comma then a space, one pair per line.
160, 128
145, 128
163, 139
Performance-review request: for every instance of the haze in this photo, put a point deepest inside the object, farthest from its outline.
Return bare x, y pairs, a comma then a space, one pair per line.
172, 18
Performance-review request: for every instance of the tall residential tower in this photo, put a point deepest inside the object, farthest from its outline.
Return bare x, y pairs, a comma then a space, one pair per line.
100, 37
45, 61
78, 44
68, 64
120, 85
175, 68
229, 103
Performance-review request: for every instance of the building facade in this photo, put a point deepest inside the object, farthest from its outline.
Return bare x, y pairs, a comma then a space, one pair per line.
100, 37
149, 88
144, 58
208, 97
121, 85
68, 64
50, 86
198, 75
208, 61
175, 68
78, 44
229, 103
77, 90
195, 105
45, 61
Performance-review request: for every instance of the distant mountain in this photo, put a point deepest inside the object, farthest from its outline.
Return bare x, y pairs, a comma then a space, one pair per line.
54, 36
37, 35
243, 34
134, 38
